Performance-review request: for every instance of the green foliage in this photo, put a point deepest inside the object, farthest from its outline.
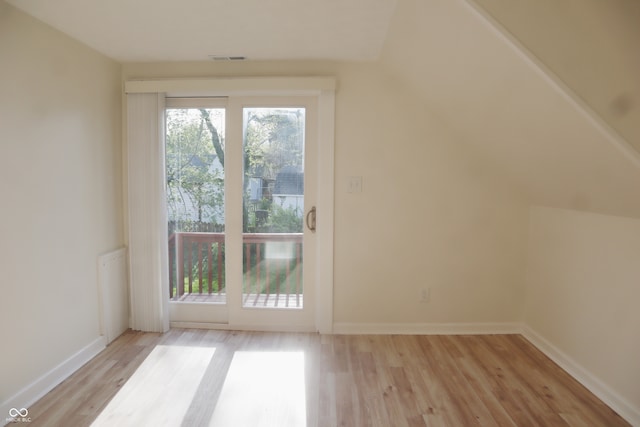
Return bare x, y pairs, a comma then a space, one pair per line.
195, 178
278, 219
195, 256
283, 220
273, 140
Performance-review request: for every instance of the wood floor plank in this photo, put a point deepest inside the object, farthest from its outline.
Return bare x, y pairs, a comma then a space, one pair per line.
515, 393
442, 409
362, 380
570, 398
466, 402
483, 389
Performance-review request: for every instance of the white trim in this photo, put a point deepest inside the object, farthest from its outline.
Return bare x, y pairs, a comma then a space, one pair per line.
427, 328
325, 222
608, 132
43, 385
323, 90
186, 312
199, 325
619, 404
191, 102
277, 327
236, 86
267, 319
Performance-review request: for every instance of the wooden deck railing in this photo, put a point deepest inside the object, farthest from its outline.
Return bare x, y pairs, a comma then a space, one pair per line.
191, 261
272, 264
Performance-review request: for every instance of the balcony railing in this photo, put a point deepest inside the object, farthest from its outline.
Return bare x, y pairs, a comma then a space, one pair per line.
272, 267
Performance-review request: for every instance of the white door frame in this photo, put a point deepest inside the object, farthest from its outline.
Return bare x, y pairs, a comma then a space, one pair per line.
185, 313
324, 89
261, 318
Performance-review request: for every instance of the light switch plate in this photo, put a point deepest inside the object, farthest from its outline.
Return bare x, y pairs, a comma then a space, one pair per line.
355, 184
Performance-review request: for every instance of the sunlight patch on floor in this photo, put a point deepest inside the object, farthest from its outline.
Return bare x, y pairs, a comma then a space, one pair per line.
160, 391
263, 389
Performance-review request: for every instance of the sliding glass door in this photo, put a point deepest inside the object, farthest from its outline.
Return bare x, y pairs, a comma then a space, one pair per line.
273, 211
240, 190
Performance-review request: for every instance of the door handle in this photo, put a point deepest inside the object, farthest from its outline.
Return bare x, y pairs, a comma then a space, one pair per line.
311, 219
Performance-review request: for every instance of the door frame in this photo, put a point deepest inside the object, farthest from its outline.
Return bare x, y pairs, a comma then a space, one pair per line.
323, 88
197, 314
280, 319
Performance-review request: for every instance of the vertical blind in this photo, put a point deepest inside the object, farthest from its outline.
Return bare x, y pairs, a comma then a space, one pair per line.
148, 267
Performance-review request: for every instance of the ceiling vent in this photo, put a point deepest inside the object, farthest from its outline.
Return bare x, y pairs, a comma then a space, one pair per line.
227, 58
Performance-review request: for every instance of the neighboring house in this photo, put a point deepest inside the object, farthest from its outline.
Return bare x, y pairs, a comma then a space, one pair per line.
288, 191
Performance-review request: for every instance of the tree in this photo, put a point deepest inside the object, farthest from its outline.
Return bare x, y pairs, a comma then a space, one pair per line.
195, 176
274, 143
196, 159
273, 140
215, 137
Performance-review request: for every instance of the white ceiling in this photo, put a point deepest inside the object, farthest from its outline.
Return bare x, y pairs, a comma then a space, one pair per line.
191, 30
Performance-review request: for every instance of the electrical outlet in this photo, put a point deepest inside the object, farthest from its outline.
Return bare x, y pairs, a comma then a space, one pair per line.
425, 294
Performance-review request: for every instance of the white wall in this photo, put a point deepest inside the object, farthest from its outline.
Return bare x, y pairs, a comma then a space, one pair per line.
431, 214
60, 193
583, 290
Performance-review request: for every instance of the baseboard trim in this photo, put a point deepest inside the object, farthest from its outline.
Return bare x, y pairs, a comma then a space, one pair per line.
198, 325
624, 408
427, 328
43, 385
242, 327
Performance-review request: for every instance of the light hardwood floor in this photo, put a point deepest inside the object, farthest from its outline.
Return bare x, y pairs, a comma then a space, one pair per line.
225, 378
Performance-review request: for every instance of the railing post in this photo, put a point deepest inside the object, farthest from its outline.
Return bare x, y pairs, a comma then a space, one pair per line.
298, 272
199, 248
220, 249
210, 266
247, 271
179, 265
189, 253
171, 252
258, 265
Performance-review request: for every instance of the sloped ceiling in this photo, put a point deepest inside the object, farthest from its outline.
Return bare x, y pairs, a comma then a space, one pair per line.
591, 45
498, 100
191, 30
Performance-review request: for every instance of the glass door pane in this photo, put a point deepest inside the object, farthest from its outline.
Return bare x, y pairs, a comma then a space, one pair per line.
273, 207
194, 155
